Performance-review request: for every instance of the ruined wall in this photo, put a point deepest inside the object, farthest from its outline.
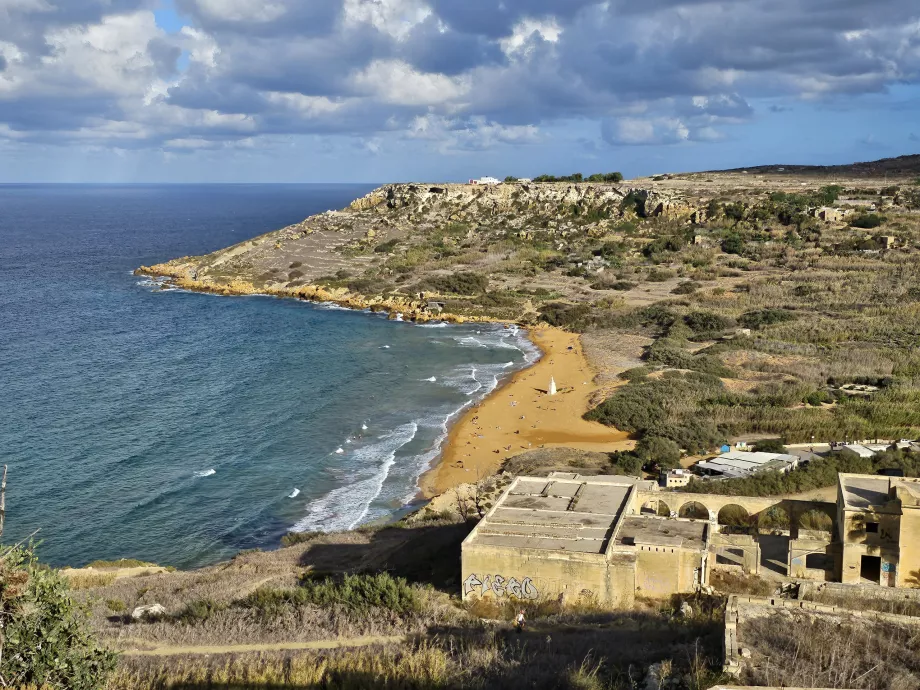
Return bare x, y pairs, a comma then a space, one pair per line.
665, 570
814, 559
500, 572
733, 552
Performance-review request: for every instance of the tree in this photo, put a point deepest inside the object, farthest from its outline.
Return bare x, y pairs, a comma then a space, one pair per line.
659, 450
509, 178
770, 445
46, 640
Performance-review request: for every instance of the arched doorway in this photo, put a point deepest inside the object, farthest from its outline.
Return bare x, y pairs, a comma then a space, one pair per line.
656, 506
694, 510
734, 516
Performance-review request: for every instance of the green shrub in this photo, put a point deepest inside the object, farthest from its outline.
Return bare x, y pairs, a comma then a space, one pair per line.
115, 605
662, 452
766, 317
199, 611
462, 283
356, 592
770, 445
687, 288
707, 323
386, 247
497, 299
867, 221
294, 538
47, 641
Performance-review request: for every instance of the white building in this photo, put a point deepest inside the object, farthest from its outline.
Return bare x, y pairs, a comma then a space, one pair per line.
736, 464
672, 478
486, 181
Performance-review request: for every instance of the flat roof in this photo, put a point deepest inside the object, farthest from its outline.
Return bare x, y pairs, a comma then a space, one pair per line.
555, 513
648, 530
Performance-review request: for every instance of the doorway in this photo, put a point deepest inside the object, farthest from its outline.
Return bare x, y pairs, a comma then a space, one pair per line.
870, 569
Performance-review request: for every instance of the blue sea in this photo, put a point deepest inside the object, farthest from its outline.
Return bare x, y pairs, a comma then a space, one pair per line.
180, 428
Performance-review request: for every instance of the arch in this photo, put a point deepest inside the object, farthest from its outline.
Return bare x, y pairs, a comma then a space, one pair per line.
656, 506
694, 510
816, 520
774, 518
734, 515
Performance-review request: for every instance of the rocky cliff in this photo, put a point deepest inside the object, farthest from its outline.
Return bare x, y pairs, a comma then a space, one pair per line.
316, 258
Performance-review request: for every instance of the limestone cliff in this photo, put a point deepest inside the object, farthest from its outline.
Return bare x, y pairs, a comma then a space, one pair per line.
305, 259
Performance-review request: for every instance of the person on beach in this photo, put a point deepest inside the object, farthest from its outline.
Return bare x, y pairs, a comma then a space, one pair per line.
519, 622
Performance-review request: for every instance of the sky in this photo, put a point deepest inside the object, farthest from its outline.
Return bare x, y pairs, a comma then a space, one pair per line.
388, 90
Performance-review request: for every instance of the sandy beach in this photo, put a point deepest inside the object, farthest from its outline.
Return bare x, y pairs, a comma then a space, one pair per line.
521, 416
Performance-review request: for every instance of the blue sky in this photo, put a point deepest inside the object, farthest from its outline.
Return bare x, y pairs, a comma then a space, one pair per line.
379, 90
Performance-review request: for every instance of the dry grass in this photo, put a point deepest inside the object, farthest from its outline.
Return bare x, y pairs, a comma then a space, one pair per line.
792, 649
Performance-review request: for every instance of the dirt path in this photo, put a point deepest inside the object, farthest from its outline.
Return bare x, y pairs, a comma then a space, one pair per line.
166, 650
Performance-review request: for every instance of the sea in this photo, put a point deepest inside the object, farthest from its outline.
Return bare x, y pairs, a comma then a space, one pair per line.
180, 428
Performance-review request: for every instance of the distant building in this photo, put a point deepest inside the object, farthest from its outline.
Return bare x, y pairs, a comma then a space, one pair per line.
524, 180
486, 181
737, 464
673, 478
831, 215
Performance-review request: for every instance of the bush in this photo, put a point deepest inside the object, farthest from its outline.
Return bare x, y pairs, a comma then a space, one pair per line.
686, 288
463, 283
46, 635
294, 538
386, 247
867, 221
658, 275
765, 317
707, 323
356, 592
662, 452
621, 285
115, 605
770, 445
199, 611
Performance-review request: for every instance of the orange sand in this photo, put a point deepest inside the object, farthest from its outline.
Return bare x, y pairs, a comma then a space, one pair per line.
521, 416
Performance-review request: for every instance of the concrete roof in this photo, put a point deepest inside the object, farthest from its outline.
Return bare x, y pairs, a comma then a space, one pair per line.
863, 491
860, 450
646, 530
556, 513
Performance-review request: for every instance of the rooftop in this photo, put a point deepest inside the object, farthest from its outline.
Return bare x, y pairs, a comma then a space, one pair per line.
559, 514
647, 530
862, 491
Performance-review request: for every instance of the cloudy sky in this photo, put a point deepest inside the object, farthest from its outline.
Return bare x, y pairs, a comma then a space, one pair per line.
377, 90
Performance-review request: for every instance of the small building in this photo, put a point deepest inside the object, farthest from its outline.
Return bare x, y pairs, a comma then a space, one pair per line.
489, 181
858, 450
738, 463
878, 523
569, 537
831, 215
524, 180
670, 479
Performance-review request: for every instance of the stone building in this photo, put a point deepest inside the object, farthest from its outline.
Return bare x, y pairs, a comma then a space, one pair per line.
611, 539
574, 537
878, 526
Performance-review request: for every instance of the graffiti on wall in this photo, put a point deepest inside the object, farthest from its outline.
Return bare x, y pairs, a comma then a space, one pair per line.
500, 587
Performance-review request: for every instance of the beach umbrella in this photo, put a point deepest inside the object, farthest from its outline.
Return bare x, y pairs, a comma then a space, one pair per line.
552, 386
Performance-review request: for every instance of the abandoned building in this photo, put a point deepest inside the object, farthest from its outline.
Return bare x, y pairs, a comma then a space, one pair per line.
612, 538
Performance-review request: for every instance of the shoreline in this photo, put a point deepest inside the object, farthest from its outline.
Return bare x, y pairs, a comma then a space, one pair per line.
519, 416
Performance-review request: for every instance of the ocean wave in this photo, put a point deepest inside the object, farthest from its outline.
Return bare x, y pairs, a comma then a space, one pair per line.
294, 494
345, 507
206, 473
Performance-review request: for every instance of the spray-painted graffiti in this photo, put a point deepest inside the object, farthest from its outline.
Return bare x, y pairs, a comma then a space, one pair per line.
500, 587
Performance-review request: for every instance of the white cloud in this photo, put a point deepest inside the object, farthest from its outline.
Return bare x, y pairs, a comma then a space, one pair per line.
634, 131
398, 83
517, 44
242, 10
394, 17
